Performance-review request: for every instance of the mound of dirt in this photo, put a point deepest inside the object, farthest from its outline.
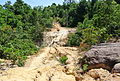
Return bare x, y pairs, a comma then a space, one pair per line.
100, 75
46, 66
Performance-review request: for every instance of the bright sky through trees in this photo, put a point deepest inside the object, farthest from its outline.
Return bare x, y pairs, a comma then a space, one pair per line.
36, 2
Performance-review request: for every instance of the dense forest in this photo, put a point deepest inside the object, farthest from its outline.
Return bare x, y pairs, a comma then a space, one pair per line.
21, 26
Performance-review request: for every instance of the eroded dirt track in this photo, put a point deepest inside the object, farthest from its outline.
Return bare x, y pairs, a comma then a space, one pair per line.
45, 66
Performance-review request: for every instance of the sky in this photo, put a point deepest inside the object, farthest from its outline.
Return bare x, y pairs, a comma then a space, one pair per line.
36, 2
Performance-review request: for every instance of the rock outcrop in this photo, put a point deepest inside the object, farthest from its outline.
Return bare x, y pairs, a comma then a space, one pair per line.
104, 55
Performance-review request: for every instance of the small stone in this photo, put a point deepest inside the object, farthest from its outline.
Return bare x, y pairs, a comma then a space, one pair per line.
98, 73
2, 64
116, 68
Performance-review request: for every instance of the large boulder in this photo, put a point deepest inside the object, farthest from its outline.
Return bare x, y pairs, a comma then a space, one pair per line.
105, 55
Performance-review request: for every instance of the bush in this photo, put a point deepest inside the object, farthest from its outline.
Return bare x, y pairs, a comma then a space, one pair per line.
63, 59
15, 45
73, 40
37, 35
88, 35
18, 50
85, 67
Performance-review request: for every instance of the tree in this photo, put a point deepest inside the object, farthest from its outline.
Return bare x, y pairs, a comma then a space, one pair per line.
69, 1
8, 6
118, 1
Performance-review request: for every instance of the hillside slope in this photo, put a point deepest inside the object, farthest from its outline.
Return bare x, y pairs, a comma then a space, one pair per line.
46, 65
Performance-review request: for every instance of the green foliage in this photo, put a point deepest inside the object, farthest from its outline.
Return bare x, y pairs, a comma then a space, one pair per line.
117, 33
73, 40
15, 46
69, 1
89, 35
18, 34
21, 26
118, 1
85, 67
100, 23
63, 59
106, 16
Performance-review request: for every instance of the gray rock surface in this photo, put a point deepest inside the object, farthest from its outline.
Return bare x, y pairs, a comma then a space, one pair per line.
116, 68
105, 55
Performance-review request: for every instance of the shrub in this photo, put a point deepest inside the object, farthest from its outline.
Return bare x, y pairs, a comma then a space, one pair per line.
73, 40
63, 59
15, 45
88, 35
18, 50
85, 67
